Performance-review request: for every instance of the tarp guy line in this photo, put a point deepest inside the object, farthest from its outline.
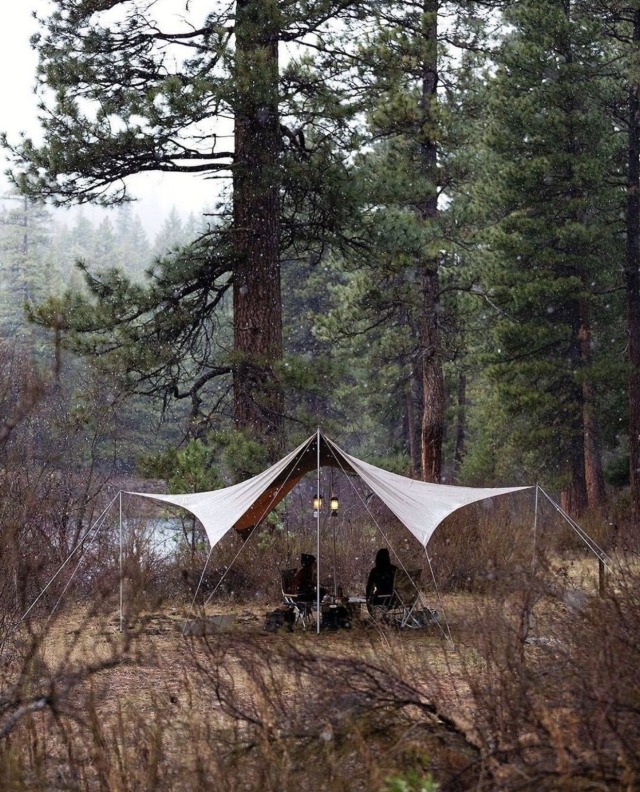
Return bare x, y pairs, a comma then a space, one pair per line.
65, 562
439, 601
591, 544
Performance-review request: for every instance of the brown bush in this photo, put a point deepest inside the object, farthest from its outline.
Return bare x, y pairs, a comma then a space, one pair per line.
538, 691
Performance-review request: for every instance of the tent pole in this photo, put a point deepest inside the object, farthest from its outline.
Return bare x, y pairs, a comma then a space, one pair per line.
535, 530
335, 579
318, 534
333, 525
121, 571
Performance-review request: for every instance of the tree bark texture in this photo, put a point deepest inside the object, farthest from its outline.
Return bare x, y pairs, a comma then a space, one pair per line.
593, 470
458, 455
432, 380
432, 424
574, 499
633, 285
410, 429
257, 306
577, 497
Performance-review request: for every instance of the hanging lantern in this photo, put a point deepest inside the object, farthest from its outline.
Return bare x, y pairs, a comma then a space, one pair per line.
334, 505
317, 505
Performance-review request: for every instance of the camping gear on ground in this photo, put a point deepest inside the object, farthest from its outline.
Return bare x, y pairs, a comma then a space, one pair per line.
208, 625
404, 607
336, 613
281, 617
302, 610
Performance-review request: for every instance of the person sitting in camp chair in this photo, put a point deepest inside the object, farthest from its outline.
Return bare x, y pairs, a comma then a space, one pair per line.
305, 580
379, 591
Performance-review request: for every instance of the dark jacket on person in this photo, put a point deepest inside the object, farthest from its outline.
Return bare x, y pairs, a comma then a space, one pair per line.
305, 579
380, 580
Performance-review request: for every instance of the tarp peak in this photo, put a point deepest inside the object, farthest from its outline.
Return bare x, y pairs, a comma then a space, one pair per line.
419, 505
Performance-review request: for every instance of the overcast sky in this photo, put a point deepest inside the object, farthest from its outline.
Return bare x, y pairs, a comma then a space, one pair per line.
17, 68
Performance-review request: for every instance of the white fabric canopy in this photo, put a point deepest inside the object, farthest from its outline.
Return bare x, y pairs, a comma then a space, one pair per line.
219, 510
417, 504
420, 506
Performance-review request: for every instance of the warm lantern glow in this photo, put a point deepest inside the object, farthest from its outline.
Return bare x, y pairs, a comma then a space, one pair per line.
317, 503
334, 505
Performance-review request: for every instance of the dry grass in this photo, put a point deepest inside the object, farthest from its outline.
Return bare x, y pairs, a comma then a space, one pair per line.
224, 689
534, 688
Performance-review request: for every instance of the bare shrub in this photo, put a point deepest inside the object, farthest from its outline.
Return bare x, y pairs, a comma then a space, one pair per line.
474, 548
53, 470
240, 718
539, 693
555, 692
305, 719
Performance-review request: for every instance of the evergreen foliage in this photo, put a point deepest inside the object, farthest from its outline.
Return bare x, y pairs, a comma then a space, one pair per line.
419, 244
26, 272
548, 184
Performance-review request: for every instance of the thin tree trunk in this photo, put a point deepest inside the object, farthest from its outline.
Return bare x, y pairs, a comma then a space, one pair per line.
433, 381
458, 454
432, 425
257, 305
411, 429
417, 386
593, 471
633, 285
574, 498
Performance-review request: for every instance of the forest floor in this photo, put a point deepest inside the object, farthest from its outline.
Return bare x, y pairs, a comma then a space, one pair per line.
163, 651
159, 638
160, 694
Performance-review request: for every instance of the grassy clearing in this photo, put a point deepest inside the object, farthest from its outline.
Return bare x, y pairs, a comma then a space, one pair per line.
247, 709
531, 685
536, 690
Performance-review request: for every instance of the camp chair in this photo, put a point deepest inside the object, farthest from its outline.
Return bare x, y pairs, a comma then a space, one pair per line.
396, 608
380, 607
407, 608
302, 609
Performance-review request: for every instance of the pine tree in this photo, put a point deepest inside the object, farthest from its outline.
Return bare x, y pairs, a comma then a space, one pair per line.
552, 155
104, 251
632, 263
621, 23
172, 234
416, 127
133, 95
25, 228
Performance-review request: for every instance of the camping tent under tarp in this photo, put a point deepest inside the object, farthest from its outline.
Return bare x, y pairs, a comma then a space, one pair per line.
420, 506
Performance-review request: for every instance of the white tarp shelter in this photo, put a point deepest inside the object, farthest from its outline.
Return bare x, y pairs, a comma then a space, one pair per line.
420, 506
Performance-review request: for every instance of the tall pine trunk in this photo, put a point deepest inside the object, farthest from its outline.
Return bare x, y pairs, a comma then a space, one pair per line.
409, 429
593, 470
257, 307
580, 447
633, 284
461, 426
574, 498
432, 424
432, 429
